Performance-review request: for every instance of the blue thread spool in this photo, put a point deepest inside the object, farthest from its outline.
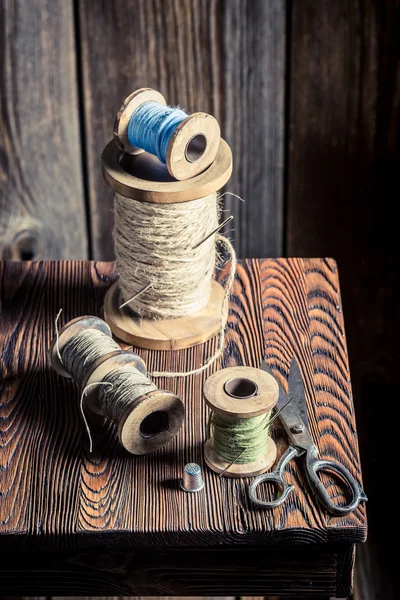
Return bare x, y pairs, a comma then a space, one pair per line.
187, 144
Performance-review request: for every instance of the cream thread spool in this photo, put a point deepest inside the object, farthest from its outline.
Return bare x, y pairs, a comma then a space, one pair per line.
193, 146
147, 422
238, 393
142, 178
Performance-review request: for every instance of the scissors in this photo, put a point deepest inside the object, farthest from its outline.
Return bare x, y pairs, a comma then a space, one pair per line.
294, 418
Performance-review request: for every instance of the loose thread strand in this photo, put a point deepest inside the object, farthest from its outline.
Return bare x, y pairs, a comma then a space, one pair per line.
58, 336
84, 393
230, 194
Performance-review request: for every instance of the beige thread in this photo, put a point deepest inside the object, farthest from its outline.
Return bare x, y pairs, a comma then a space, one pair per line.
154, 244
224, 317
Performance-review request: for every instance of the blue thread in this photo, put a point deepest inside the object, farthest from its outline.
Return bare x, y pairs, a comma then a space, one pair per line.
151, 127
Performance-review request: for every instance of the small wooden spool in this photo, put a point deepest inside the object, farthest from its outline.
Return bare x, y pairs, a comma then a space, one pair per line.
144, 178
193, 146
152, 420
240, 393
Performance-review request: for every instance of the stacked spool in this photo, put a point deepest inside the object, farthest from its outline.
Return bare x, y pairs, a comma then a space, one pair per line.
190, 150
197, 164
241, 400
109, 377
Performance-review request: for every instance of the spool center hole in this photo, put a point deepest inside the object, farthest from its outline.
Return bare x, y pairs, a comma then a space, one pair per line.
195, 147
241, 388
153, 424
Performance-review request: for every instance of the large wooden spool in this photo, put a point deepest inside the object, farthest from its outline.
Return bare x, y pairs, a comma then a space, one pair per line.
143, 178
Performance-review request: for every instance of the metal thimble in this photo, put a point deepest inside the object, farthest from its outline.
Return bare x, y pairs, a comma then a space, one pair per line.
192, 480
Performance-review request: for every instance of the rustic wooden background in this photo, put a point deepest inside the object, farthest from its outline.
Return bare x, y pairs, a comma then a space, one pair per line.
307, 93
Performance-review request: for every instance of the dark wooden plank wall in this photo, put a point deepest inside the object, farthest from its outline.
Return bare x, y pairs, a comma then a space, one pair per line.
228, 57
42, 205
342, 185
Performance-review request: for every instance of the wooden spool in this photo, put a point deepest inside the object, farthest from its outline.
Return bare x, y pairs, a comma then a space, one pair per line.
193, 146
240, 393
144, 178
152, 420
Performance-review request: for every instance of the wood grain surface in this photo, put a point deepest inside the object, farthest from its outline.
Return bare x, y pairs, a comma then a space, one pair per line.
344, 161
42, 209
53, 493
222, 57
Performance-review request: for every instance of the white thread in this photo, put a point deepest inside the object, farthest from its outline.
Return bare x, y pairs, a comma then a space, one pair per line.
230, 194
166, 259
84, 393
154, 244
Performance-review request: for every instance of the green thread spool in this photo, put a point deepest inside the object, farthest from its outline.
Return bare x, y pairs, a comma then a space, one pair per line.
241, 441
241, 400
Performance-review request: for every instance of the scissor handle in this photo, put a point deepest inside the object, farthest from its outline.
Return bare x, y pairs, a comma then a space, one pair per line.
314, 465
276, 478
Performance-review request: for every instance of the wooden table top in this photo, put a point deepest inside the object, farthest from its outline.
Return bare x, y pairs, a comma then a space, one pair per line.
58, 494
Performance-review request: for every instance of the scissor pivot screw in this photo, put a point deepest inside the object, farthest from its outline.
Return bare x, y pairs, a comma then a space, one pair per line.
297, 428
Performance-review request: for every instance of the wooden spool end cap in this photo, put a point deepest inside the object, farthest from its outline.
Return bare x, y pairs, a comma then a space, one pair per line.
130, 104
235, 470
145, 178
193, 146
151, 422
241, 392
67, 332
165, 334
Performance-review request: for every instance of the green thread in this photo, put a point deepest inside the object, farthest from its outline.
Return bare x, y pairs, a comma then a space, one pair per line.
240, 441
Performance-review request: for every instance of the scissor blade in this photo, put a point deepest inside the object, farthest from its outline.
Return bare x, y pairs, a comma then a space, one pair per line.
297, 391
295, 413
